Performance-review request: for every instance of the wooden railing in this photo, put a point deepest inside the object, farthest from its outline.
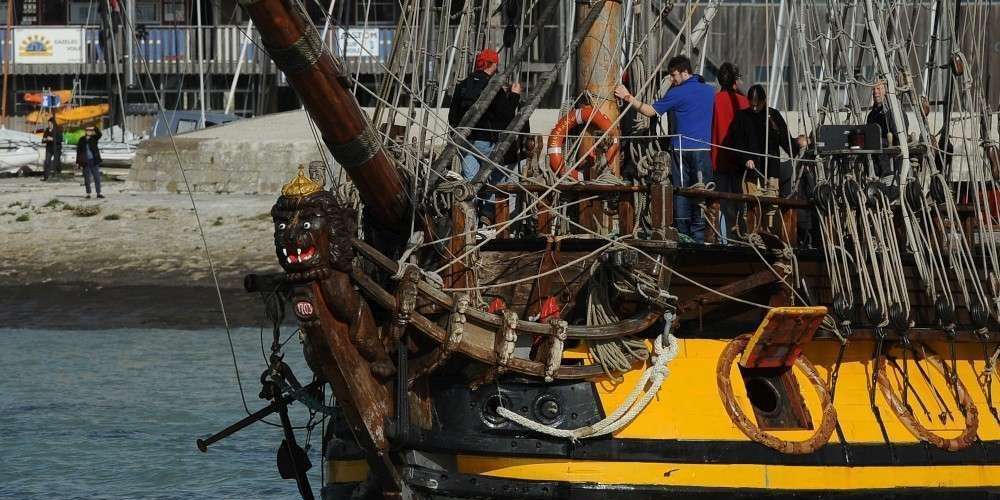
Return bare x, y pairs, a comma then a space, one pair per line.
660, 206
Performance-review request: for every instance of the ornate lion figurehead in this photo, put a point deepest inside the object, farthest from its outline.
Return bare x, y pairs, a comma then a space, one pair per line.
312, 230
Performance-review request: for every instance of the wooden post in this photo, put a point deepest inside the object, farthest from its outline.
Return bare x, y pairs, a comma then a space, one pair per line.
712, 229
752, 209
661, 209
789, 232
626, 214
502, 214
545, 217
457, 271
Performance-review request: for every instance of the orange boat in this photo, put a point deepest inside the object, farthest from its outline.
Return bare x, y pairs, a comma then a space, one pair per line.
38, 97
75, 115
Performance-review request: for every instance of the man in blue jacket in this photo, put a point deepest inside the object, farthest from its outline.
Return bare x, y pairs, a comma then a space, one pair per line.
690, 102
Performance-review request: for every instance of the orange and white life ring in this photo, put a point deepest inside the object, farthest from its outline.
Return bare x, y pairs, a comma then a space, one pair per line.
576, 117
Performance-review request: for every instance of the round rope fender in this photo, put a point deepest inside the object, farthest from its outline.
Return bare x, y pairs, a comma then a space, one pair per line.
576, 117
906, 417
809, 445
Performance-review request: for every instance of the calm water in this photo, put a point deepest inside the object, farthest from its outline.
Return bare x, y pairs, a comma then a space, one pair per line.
115, 414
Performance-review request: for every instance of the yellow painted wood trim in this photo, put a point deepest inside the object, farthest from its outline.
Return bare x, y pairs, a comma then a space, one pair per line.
346, 471
779, 477
688, 406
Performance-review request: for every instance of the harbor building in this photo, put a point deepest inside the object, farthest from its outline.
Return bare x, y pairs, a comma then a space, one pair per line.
66, 44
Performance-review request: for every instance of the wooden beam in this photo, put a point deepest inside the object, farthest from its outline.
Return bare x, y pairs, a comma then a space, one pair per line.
734, 289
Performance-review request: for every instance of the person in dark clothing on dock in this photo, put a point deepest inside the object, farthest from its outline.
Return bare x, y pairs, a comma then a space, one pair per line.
758, 132
88, 157
53, 139
881, 115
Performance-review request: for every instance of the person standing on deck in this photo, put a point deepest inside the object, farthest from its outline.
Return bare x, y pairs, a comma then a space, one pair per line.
53, 139
758, 133
691, 102
485, 134
881, 115
725, 162
88, 157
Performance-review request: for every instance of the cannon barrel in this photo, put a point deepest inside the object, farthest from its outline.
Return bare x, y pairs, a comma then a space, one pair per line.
320, 80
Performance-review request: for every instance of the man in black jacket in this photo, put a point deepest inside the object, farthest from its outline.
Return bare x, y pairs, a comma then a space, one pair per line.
88, 157
52, 138
881, 114
485, 134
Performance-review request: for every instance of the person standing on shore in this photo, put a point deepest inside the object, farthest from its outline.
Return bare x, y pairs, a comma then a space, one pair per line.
52, 138
88, 157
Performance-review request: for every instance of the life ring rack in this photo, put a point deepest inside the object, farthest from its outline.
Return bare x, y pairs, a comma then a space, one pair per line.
823, 432
580, 116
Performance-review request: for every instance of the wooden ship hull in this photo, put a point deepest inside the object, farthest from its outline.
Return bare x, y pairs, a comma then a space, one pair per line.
708, 369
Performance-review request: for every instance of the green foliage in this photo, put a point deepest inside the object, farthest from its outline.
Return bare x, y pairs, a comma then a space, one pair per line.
25, 217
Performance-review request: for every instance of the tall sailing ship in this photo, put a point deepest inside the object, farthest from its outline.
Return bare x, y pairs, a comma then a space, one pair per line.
584, 349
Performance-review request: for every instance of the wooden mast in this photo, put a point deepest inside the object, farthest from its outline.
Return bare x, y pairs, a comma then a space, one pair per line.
598, 69
597, 73
321, 82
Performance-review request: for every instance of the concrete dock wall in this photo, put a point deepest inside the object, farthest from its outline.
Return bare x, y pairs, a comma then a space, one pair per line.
248, 156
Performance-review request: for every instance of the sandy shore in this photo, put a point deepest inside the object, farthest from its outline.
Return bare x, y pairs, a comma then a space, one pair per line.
132, 259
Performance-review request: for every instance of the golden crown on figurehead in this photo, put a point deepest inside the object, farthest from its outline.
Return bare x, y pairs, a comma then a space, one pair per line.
301, 185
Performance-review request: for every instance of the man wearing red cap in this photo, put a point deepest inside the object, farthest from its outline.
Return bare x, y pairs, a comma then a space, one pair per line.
485, 133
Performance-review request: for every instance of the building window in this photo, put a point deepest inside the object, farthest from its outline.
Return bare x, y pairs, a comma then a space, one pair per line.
380, 11
29, 12
147, 12
53, 11
83, 13
186, 126
174, 12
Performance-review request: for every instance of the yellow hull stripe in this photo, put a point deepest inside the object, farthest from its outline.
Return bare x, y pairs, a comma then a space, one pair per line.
781, 477
688, 406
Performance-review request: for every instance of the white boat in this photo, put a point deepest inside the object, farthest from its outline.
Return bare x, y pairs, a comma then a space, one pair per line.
19, 150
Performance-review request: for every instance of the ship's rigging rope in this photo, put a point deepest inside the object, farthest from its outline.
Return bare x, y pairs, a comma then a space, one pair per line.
819, 83
194, 207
